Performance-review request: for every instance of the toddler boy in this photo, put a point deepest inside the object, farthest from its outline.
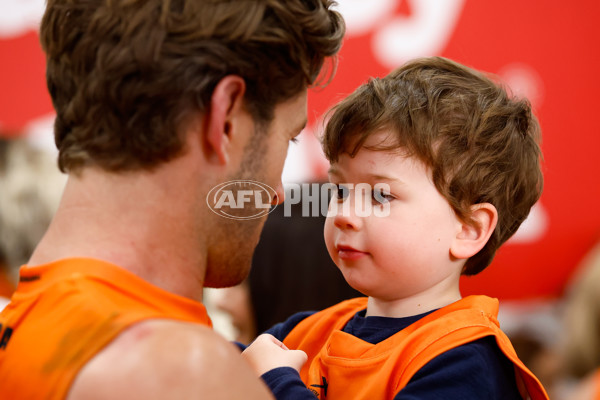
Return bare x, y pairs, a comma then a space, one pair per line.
454, 166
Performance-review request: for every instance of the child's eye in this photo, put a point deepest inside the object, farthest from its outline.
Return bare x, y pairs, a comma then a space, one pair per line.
381, 196
294, 140
341, 192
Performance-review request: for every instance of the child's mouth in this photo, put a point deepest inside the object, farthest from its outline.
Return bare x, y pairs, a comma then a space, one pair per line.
349, 253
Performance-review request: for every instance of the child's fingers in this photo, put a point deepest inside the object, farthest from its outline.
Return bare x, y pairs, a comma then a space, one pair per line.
297, 359
265, 337
279, 343
266, 353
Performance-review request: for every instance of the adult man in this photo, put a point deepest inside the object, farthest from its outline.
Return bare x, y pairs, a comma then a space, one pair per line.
157, 102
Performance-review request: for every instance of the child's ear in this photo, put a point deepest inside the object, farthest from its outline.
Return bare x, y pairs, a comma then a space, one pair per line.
226, 102
472, 238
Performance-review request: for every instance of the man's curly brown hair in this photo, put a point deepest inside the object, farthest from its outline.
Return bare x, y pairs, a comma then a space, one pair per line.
125, 74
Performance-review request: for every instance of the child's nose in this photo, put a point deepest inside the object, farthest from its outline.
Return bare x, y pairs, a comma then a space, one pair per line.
344, 215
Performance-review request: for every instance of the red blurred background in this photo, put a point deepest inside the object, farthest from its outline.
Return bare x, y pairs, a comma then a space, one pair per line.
547, 51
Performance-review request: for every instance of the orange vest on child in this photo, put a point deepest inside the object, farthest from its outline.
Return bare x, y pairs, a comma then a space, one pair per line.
64, 313
342, 366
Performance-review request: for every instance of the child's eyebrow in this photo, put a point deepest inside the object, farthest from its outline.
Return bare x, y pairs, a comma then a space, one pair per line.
374, 177
378, 177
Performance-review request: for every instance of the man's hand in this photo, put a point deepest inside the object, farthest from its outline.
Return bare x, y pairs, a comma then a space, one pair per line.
267, 353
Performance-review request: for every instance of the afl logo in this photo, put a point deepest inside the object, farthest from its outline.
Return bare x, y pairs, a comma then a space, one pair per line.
241, 199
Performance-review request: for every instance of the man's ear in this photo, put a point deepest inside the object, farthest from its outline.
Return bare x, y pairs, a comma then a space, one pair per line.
225, 104
471, 238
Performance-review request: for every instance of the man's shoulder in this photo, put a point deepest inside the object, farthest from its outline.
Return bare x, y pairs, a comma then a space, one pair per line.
167, 359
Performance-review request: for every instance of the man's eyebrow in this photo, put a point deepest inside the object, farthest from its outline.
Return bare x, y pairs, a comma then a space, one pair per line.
333, 171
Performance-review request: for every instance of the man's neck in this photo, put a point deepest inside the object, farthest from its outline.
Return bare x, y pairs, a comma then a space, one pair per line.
122, 219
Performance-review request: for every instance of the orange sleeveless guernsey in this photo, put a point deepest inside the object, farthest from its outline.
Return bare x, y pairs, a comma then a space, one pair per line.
342, 366
64, 313
6, 286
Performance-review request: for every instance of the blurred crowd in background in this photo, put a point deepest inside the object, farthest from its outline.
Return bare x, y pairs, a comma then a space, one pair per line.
548, 276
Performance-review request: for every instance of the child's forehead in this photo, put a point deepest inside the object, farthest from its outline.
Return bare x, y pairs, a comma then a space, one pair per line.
383, 142
382, 139
373, 163
375, 153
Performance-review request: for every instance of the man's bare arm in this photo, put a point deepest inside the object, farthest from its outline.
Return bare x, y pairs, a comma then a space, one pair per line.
168, 360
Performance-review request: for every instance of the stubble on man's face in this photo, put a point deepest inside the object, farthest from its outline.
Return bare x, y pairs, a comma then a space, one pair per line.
233, 241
